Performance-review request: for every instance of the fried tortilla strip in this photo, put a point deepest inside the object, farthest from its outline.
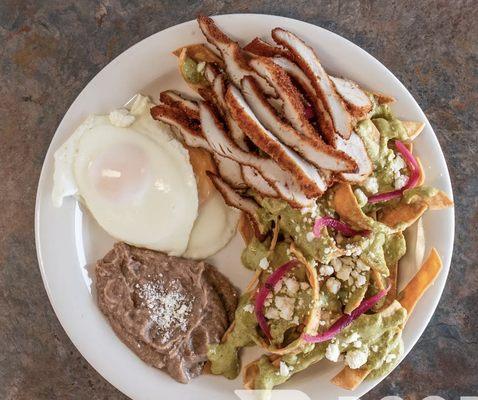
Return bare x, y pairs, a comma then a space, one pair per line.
339, 120
188, 70
346, 205
202, 162
190, 131
349, 378
260, 47
413, 128
438, 201
175, 99
422, 280
293, 108
246, 228
200, 52
283, 182
235, 59
234, 199
404, 214
421, 181
383, 98
312, 149
307, 175
357, 102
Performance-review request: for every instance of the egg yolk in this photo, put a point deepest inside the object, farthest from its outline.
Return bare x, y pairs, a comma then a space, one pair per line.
121, 173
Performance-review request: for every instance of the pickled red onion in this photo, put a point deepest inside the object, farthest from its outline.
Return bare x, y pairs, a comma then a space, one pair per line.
346, 320
340, 226
261, 296
412, 181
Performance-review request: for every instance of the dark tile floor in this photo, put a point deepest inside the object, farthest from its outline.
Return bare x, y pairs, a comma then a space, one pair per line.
51, 49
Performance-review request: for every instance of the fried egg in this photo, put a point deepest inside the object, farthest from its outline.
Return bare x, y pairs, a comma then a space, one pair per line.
142, 185
214, 227
133, 176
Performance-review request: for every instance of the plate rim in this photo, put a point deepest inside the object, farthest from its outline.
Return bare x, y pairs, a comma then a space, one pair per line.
430, 311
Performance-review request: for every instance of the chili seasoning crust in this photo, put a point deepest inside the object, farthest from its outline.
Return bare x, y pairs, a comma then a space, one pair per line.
167, 310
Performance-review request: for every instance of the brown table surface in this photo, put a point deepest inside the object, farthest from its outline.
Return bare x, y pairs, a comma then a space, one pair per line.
51, 49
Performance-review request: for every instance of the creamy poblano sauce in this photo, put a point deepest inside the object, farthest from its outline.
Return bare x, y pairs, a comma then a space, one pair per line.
379, 332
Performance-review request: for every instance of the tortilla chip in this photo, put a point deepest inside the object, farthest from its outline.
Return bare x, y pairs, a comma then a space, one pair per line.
246, 228
383, 98
348, 208
350, 378
312, 319
421, 181
413, 128
402, 215
275, 234
422, 280
249, 375
200, 52
439, 201
201, 161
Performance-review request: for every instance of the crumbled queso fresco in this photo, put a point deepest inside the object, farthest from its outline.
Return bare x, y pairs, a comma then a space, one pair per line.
356, 358
264, 263
168, 308
280, 304
346, 269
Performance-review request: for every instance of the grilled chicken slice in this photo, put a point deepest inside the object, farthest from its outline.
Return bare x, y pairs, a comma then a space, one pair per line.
234, 199
262, 48
219, 90
256, 181
299, 77
230, 171
283, 181
192, 136
307, 175
358, 103
175, 99
355, 148
235, 59
292, 106
313, 149
251, 176
189, 130
339, 120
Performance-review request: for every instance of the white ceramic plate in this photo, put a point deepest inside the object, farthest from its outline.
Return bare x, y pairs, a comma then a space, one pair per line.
69, 241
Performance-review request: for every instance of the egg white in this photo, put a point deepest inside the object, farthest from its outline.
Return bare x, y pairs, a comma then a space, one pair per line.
214, 227
159, 204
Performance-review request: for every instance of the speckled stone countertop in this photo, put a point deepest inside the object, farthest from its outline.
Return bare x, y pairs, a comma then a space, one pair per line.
51, 49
